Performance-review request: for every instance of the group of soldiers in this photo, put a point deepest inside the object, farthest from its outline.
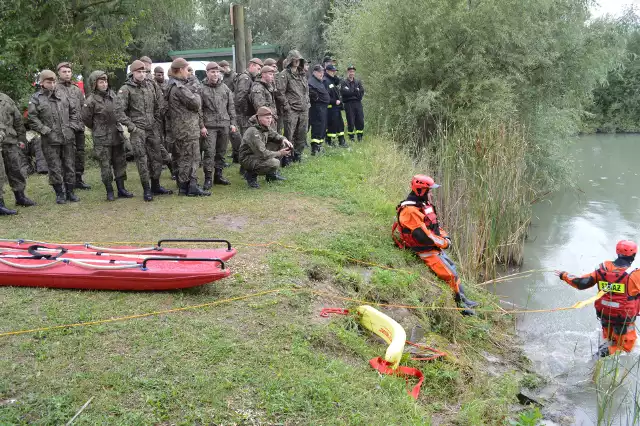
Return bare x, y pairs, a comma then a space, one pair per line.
180, 123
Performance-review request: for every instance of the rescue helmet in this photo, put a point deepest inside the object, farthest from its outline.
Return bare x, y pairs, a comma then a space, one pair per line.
421, 184
626, 248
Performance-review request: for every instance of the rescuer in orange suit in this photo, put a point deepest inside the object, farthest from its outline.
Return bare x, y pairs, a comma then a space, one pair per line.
618, 308
419, 231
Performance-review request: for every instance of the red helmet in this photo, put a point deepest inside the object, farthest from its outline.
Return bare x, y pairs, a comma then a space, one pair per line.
626, 248
420, 184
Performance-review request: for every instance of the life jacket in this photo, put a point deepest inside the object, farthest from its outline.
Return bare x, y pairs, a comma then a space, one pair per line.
616, 306
402, 236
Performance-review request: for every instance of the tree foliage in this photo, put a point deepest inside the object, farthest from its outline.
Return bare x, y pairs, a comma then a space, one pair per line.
429, 62
616, 106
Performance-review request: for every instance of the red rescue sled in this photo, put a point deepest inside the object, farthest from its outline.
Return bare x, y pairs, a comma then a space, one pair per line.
86, 266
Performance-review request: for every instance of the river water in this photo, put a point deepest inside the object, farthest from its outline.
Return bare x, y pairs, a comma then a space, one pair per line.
575, 230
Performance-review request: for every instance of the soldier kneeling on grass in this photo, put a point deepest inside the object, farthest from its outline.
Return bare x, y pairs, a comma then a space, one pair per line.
262, 148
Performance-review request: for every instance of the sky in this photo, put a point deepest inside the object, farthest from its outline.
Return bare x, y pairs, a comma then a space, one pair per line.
612, 7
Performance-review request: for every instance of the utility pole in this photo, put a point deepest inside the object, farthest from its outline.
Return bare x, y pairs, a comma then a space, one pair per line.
237, 19
248, 41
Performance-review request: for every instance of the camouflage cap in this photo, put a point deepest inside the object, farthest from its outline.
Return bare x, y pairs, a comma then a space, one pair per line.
256, 61
46, 75
146, 60
137, 65
63, 65
267, 69
223, 63
213, 66
262, 111
158, 69
179, 63
270, 62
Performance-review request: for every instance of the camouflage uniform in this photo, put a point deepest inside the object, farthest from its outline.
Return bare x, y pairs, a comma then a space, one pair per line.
244, 109
76, 97
294, 85
230, 80
138, 108
183, 111
34, 160
262, 96
255, 157
12, 133
159, 125
52, 115
99, 114
219, 114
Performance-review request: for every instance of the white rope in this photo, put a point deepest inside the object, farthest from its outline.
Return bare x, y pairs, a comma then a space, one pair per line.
21, 266
115, 250
101, 267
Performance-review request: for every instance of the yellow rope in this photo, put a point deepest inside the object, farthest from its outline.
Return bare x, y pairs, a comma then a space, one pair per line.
279, 290
578, 305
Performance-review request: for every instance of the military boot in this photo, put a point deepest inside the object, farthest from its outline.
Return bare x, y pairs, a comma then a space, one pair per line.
59, 194
236, 158
218, 179
195, 190
146, 192
252, 180
4, 211
285, 161
297, 157
109, 188
470, 303
158, 189
183, 188
328, 141
122, 191
70, 195
465, 310
274, 177
80, 184
315, 148
208, 181
359, 137
342, 142
22, 200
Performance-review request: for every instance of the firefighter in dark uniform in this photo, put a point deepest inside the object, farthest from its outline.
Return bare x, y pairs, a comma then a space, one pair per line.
319, 98
352, 92
335, 125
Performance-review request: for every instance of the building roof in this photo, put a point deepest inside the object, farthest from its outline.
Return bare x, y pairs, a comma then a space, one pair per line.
259, 49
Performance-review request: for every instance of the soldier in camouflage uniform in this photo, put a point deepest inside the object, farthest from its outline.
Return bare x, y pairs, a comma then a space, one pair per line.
184, 108
4, 210
242, 92
12, 142
219, 117
262, 94
53, 116
293, 83
159, 125
75, 96
158, 76
228, 76
255, 157
278, 96
138, 108
99, 114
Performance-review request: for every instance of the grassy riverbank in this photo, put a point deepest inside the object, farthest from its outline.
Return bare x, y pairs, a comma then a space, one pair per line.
264, 360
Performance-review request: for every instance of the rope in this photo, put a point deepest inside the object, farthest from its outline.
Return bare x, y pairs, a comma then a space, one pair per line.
280, 290
101, 267
21, 266
114, 250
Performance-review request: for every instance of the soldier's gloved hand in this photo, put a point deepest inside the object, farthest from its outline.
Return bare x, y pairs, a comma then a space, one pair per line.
22, 145
284, 152
287, 144
233, 128
204, 132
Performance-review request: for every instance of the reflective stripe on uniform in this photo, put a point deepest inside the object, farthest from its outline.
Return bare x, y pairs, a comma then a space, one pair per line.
317, 140
360, 131
610, 303
331, 135
329, 106
341, 134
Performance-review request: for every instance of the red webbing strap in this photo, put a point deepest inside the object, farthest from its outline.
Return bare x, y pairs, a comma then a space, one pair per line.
383, 367
338, 311
435, 353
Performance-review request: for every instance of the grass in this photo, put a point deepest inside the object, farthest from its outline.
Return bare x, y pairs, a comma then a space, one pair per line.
268, 360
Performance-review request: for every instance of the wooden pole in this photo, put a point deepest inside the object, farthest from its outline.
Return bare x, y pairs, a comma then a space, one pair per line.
239, 37
248, 41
